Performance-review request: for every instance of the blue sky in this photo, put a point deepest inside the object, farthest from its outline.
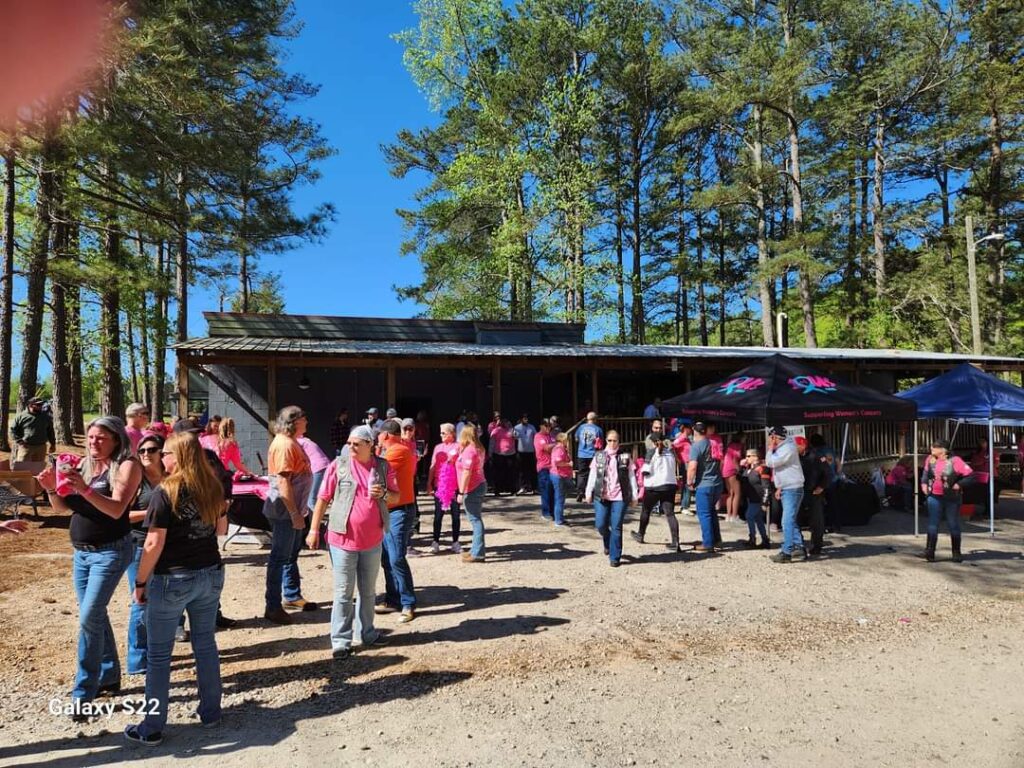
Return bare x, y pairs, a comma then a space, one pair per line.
366, 97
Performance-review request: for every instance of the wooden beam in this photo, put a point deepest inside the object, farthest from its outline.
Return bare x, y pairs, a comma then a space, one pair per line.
496, 387
575, 397
182, 382
391, 386
271, 395
593, 389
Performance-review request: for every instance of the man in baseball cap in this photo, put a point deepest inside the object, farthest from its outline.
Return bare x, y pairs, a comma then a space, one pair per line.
31, 430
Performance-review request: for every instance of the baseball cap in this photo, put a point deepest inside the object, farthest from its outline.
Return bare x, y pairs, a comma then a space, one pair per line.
187, 425
372, 410
778, 431
391, 413
408, 423
700, 427
392, 427
801, 441
36, 401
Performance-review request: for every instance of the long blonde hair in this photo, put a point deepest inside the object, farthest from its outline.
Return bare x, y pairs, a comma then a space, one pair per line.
468, 436
193, 474
227, 431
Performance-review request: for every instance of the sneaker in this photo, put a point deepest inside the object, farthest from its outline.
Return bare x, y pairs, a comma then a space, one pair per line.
815, 550
468, 558
278, 616
131, 733
379, 640
341, 653
764, 544
800, 553
613, 563
701, 549
384, 608
750, 543
408, 614
781, 557
435, 547
302, 604
223, 622
180, 634
637, 537
456, 547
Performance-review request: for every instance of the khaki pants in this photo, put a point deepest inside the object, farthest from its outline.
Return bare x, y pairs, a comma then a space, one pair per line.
31, 452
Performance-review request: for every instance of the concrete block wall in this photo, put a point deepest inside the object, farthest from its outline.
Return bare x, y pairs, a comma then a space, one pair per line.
241, 394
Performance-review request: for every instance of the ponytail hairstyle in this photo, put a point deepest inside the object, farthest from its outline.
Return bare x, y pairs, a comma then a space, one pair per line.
193, 475
227, 430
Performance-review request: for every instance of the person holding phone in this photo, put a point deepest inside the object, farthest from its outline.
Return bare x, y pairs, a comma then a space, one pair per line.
180, 571
788, 477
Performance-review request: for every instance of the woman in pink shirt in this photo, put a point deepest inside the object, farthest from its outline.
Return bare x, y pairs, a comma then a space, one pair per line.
223, 443
942, 479
443, 485
472, 489
561, 474
612, 487
355, 533
503, 458
731, 476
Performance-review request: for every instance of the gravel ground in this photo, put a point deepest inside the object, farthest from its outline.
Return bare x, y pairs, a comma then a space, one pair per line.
544, 655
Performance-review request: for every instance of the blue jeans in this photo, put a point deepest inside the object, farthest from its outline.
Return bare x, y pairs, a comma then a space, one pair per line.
318, 478
353, 570
168, 596
684, 499
948, 508
558, 497
398, 584
608, 516
96, 574
707, 495
755, 517
136, 655
473, 502
546, 492
282, 564
792, 538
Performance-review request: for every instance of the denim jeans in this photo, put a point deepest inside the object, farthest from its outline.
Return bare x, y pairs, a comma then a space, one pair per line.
398, 584
948, 508
136, 655
282, 563
791, 536
474, 504
439, 518
707, 495
546, 492
755, 517
353, 570
684, 499
608, 517
96, 575
318, 478
558, 485
197, 592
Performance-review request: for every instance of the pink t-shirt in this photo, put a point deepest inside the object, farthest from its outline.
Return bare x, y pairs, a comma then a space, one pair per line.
230, 454
898, 475
731, 460
365, 529
209, 442
317, 458
959, 468
503, 441
135, 435
682, 446
612, 490
472, 462
541, 441
560, 455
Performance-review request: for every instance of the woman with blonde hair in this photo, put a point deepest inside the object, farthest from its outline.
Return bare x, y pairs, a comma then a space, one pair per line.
472, 489
181, 570
561, 474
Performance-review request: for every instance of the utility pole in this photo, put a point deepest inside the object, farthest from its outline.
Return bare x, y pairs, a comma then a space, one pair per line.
972, 287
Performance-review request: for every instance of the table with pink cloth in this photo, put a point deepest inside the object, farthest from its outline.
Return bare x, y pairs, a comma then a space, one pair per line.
246, 510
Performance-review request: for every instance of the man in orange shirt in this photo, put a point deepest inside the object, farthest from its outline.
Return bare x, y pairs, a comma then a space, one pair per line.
398, 584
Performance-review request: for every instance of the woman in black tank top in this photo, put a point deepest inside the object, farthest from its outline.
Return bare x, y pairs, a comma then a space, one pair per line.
102, 489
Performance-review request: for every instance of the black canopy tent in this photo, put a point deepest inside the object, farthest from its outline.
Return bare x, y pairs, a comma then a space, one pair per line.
781, 390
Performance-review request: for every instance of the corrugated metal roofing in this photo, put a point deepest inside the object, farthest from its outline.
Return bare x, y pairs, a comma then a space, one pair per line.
333, 347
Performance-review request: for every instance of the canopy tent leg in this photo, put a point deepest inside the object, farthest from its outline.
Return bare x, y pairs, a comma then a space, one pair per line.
991, 482
953, 438
917, 483
842, 453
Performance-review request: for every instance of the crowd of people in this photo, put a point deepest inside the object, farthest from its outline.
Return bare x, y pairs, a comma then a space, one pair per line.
148, 502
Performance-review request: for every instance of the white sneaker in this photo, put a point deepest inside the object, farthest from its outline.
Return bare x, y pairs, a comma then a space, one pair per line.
456, 547
435, 547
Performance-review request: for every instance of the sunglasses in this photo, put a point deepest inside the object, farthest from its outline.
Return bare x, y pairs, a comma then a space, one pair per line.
147, 451
166, 453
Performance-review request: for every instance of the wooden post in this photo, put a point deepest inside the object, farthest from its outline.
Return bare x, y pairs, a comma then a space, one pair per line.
593, 390
496, 388
541, 394
271, 395
575, 398
182, 389
391, 388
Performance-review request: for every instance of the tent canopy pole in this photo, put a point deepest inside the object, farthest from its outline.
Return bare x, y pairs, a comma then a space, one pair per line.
917, 483
991, 481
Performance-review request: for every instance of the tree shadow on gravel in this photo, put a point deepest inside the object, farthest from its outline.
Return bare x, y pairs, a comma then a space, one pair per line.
252, 723
552, 550
453, 599
472, 630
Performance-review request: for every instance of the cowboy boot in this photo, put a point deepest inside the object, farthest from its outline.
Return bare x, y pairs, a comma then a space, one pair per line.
957, 557
929, 548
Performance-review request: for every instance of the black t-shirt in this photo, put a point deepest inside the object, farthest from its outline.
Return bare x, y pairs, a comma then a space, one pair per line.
90, 526
142, 502
191, 544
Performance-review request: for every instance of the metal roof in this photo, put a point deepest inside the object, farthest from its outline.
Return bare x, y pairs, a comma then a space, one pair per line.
332, 347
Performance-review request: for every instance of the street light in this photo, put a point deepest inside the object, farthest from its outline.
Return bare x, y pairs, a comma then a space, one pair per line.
972, 279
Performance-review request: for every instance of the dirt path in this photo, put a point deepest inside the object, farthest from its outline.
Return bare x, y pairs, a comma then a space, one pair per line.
546, 656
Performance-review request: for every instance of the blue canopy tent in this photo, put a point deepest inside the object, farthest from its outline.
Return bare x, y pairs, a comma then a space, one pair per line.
968, 395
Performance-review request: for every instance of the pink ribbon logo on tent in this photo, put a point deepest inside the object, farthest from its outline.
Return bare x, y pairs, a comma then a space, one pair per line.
741, 384
805, 385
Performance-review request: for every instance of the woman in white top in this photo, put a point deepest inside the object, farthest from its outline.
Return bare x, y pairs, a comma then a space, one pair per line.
660, 486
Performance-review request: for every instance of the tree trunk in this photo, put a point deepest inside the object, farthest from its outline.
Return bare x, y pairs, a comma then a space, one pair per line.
878, 205
159, 329
133, 363
73, 299
62, 394
111, 385
636, 280
682, 311
7, 296
37, 271
993, 216
702, 300
763, 286
144, 334
181, 261
620, 275
850, 268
